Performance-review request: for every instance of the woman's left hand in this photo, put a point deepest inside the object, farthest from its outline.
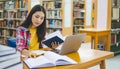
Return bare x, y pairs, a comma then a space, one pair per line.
54, 45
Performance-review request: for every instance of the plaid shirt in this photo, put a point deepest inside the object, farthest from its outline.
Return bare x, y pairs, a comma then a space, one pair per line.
22, 38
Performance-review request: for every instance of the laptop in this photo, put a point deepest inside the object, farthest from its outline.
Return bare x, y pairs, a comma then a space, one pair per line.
71, 44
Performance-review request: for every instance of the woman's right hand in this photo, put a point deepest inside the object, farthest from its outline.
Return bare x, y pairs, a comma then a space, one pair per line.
28, 54
25, 53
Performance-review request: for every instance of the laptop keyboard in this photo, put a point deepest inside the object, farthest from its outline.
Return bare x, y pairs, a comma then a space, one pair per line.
55, 50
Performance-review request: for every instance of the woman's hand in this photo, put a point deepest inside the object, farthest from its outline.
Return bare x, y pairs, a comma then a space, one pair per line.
54, 45
28, 54
25, 52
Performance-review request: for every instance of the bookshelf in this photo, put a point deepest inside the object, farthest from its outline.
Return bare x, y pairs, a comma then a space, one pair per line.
1, 19
12, 14
59, 16
115, 22
78, 15
115, 27
53, 15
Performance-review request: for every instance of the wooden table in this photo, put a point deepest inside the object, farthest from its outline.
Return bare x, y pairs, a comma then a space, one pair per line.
95, 34
86, 58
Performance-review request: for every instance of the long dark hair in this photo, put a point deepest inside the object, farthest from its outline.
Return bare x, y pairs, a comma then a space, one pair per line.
41, 30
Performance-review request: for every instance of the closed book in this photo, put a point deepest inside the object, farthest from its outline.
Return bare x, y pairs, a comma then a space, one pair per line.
9, 57
16, 66
10, 62
6, 50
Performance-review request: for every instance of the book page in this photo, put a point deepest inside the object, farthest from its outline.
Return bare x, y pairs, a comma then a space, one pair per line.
56, 33
59, 59
38, 62
65, 61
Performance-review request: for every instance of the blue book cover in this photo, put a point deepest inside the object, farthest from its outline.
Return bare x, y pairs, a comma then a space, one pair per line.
53, 39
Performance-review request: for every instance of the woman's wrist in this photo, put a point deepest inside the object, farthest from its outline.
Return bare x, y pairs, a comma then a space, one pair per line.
25, 53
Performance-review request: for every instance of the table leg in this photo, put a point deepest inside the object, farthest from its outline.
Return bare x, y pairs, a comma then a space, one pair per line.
108, 43
102, 65
92, 42
96, 42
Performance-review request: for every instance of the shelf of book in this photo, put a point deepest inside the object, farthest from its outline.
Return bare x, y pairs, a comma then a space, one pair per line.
115, 27
12, 14
78, 15
54, 16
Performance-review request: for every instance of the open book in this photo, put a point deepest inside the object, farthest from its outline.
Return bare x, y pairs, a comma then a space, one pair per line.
49, 59
53, 37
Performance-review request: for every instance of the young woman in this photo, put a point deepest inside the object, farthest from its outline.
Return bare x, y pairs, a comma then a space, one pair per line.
32, 31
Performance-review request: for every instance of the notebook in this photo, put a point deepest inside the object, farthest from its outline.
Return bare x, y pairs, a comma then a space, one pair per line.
71, 44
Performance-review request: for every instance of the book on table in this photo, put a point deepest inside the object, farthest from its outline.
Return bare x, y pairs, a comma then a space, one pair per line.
16, 66
49, 59
9, 57
6, 50
9, 63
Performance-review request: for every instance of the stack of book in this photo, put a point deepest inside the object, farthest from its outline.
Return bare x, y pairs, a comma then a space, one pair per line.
9, 58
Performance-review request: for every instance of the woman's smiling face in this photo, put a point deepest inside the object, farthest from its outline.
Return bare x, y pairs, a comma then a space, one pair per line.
37, 19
